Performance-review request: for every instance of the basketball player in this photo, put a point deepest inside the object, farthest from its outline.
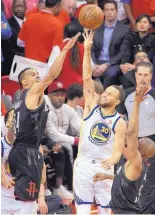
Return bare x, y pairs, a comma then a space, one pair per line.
130, 178
25, 160
102, 138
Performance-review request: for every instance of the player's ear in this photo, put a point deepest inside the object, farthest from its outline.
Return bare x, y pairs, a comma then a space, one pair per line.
118, 102
24, 82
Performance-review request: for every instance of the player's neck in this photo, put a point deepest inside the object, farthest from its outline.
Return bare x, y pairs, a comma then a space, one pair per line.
108, 111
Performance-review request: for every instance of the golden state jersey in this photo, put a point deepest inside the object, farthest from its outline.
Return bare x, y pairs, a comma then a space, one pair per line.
97, 134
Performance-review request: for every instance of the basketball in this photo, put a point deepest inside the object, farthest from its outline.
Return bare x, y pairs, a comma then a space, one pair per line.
91, 16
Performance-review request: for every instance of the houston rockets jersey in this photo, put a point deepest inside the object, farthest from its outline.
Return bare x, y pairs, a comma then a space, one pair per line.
97, 134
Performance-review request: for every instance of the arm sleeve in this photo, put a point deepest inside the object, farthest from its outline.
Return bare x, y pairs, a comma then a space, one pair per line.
6, 33
53, 133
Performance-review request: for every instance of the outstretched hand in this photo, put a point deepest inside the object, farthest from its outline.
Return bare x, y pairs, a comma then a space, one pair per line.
88, 39
140, 93
71, 42
108, 163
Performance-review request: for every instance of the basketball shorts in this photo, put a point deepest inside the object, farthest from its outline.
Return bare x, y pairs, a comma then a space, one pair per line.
10, 206
83, 184
26, 166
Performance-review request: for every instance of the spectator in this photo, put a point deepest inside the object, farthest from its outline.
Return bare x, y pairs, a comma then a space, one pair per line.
134, 8
143, 75
121, 16
5, 34
128, 70
59, 158
107, 51
75, 98
72, 67
61, 118
10, 46
31, 4
69, 6
62, 16
39, 38
139, 41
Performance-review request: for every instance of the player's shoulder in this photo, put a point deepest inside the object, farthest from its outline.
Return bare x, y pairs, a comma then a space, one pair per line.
121, 124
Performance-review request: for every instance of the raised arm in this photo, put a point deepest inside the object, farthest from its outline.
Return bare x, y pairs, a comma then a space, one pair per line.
55, 69
133, 126
119, 139
134, 167
88, 84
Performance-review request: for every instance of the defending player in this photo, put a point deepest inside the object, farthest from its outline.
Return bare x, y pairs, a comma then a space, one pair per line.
102, 138
25, 160
130, 178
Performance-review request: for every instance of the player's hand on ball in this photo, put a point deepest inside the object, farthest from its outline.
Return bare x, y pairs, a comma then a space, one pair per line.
71, 42
99, 177
88, 39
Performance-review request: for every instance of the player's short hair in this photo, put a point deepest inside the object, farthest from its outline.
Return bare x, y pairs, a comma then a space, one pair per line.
145, 64
121, 92
110, 2
75, 90
52, 3
21, 75
7, 115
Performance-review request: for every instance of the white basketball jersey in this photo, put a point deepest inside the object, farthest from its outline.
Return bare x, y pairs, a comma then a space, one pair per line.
97, 135
5, 150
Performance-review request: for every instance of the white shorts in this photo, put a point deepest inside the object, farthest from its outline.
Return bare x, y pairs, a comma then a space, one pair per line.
83, 184
10, 206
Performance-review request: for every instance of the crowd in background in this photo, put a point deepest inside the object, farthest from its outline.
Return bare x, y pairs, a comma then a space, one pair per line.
35, 30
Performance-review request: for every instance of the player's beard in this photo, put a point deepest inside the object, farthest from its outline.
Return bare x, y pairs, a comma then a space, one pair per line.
104, 105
